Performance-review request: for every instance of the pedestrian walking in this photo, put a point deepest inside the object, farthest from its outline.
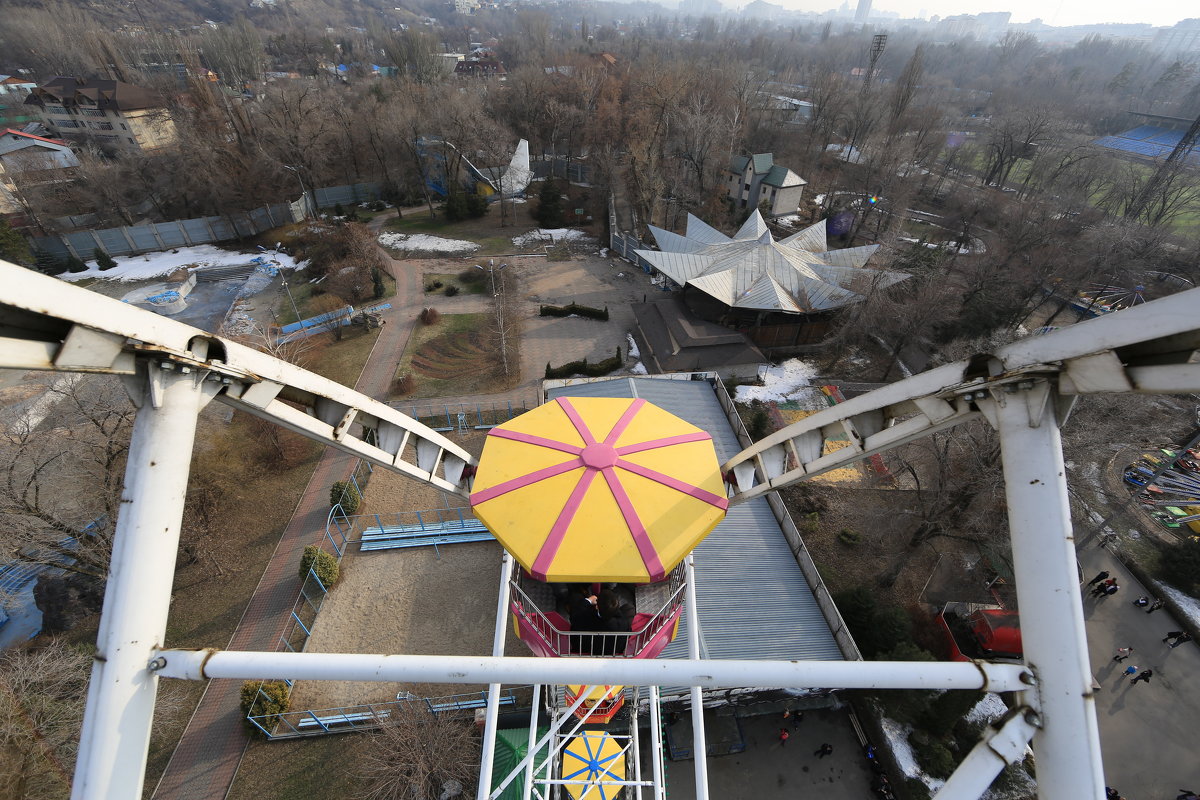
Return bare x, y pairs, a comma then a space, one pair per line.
1172, 635
824, 750
1142, 601
783, 736
1122, 654
1183, 638
1111, 793
1144, 675
1098, 578
797, 718
1130, 670
1101, 588
1187, 794
1155, 606
1109, 590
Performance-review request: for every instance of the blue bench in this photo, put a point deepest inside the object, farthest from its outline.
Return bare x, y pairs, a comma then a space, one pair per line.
421, 535
349, 721
470, 705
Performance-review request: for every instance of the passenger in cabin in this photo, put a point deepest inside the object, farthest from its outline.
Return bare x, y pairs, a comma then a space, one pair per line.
581, 606
617, 611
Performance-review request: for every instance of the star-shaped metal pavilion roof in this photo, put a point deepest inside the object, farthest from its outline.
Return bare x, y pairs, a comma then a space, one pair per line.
798, 274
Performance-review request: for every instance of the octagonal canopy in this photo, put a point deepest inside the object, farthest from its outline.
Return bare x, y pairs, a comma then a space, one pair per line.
599, 759
798, 274
659, 490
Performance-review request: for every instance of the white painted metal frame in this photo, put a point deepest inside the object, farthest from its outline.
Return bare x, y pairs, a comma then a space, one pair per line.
1024, 390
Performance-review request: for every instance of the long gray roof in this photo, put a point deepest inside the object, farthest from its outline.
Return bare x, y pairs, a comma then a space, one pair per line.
754, 601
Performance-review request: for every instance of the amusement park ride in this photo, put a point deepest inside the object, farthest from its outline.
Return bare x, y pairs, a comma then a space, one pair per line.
594, 492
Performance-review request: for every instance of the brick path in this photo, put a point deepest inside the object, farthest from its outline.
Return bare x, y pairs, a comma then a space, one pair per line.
205, 762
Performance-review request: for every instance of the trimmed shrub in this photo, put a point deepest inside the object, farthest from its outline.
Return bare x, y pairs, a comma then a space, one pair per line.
584, 368
339, 211
451, 290
576, 309
266, 700
378, 205
320, 562
429, 316
433, 286
849, 537
935, 758
344, 492
75, 264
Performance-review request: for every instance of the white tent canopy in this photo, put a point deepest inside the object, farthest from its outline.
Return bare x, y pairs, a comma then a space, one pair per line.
798, 274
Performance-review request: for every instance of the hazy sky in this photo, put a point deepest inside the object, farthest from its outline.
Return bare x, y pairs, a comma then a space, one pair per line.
1052, 12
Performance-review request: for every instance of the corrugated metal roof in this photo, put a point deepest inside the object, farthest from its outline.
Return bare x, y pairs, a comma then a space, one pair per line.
701, 231
754, 601
851, 256
811, 239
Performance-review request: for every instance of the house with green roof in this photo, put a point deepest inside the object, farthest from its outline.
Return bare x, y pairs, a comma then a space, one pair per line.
756, 179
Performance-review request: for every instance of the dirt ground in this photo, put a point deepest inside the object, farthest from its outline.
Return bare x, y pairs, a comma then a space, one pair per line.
408, 601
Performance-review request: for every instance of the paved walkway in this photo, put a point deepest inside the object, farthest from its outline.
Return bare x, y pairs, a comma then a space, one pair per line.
205, 762
1147, 731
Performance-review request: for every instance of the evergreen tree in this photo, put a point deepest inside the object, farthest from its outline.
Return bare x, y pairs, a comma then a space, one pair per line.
477, 205
75, 264
550, 209
103, 260
47, 263
379, 290
456, 206
13, 246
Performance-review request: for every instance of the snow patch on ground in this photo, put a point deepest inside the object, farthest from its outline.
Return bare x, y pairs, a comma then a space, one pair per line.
639, 369
991, 707
548, 236
426, 243
780, 383
897, 736
634, 352
1188, 604
156, 265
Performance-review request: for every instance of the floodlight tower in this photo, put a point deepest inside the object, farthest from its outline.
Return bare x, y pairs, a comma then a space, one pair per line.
878, 45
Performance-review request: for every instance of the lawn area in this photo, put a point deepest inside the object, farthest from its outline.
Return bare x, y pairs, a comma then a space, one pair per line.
323, 766
487, 231
343, 361
302, 295
458, 354
477, 285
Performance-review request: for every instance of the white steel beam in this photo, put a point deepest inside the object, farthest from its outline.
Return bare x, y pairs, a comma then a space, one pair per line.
246, 665
699, 741
49, 324
120, 700
1067, 744
997, 749
492, 713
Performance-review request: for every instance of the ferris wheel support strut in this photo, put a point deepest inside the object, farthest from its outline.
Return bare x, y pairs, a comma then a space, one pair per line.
121, 693
1067, 742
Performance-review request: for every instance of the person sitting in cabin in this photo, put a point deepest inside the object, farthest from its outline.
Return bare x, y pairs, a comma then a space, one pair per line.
617, 613
581, 607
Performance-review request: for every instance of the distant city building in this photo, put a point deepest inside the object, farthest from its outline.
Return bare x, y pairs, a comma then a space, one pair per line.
1183, 38
481, 68
113, 114
863, 11
960, 26
994, 23
701, 8
760, 9
13, 91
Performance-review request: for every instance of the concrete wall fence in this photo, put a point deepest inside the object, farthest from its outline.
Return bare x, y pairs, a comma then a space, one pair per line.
156, 236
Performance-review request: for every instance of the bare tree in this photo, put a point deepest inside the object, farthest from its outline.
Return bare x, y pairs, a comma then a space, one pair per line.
40, 717
78, 439
420, 755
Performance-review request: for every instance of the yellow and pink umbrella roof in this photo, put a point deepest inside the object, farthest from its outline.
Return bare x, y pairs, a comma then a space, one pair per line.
599, 489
